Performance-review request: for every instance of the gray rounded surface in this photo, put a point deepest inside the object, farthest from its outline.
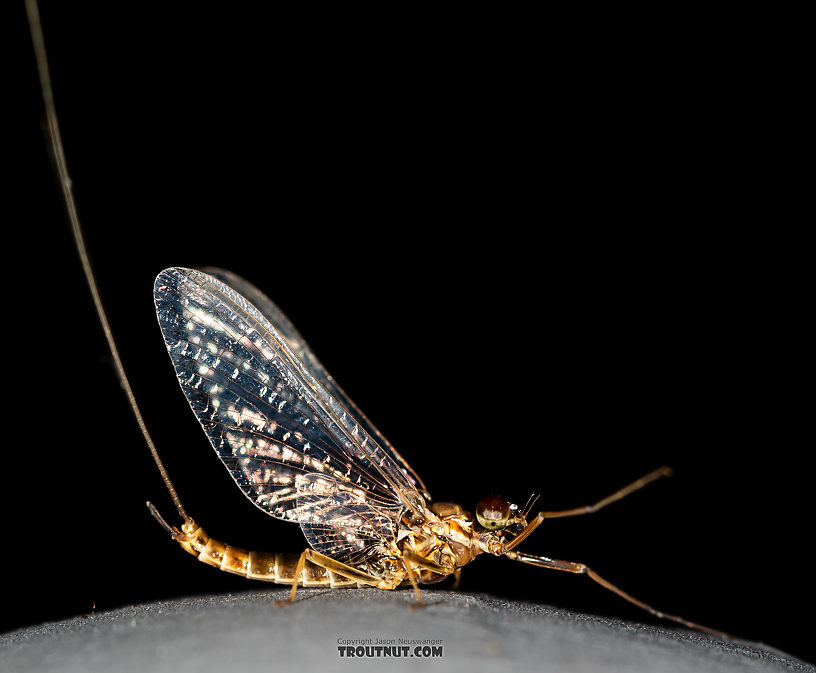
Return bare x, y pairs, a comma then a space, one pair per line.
243, 632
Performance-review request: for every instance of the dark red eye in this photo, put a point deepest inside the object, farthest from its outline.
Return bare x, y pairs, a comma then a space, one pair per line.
493, 511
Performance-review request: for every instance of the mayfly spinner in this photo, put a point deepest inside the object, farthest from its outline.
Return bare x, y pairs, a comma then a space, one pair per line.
300, 449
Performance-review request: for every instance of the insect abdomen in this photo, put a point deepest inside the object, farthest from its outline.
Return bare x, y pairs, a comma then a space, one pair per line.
277, 568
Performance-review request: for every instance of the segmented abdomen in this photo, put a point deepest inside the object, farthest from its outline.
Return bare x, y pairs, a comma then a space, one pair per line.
278, 568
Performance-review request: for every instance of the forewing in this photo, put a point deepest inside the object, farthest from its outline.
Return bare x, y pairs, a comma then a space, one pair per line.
339, 521
268, 420
305, 354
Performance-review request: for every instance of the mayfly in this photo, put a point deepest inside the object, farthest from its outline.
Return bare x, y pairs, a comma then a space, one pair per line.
301, 450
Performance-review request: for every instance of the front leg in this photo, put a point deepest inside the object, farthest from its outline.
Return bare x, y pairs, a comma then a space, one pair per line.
588, 509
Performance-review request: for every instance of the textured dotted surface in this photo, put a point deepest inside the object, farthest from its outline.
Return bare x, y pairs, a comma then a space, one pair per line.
244, 632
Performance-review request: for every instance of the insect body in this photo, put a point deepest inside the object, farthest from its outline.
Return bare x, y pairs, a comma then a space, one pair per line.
301, 451
299, 448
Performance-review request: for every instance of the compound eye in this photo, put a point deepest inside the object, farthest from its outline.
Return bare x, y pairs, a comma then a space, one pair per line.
493, 512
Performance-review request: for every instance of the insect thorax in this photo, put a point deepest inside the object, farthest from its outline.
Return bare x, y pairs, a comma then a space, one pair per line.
446, 541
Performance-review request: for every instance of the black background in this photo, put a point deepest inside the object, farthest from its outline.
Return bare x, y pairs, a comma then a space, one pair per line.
534, 274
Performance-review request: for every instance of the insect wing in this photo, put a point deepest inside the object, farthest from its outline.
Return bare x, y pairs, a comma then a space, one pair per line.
339, 521
305, 354
268, 420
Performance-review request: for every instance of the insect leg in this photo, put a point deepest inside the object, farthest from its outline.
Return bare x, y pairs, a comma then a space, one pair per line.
412, 579
588, 509
422, 562
298, 570
332, 566
347, 571
581, 569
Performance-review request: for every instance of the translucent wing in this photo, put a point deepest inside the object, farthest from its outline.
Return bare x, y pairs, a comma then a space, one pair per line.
268, 419
301, 349
338, 521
